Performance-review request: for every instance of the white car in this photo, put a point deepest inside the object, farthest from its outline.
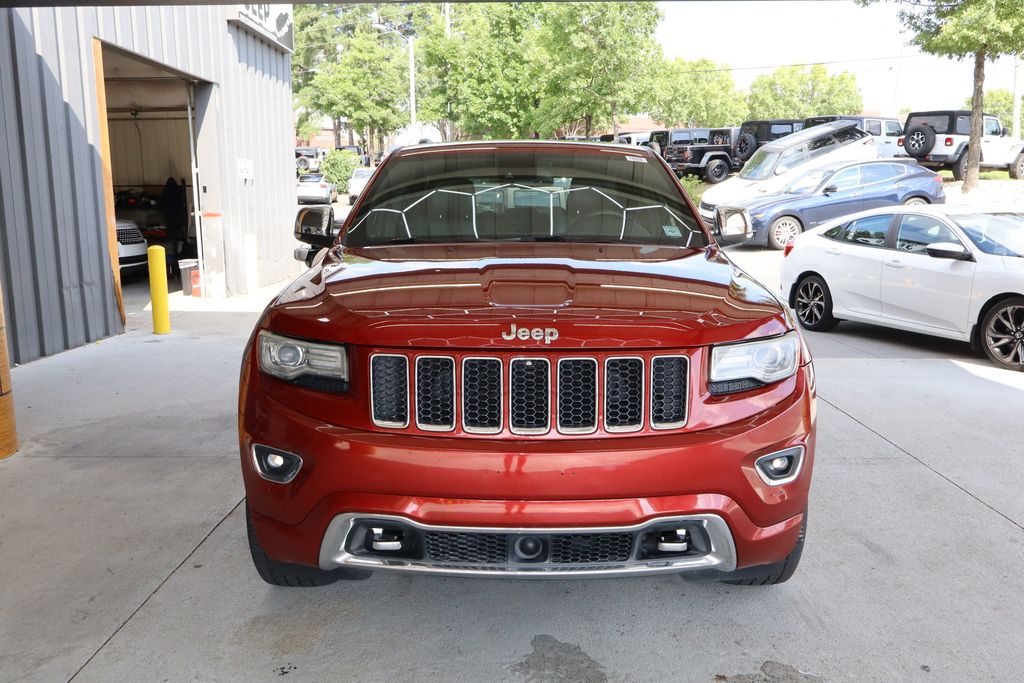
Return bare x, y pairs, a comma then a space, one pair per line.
776, 163
131, 246
953, 272
357, 183
313, 187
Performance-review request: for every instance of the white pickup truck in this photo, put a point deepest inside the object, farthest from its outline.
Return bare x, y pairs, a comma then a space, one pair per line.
938, 140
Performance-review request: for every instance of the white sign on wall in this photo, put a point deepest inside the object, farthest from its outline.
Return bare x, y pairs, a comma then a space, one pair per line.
273, 22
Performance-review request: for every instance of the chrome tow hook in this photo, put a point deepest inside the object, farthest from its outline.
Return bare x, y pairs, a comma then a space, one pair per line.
386, 540
676, 541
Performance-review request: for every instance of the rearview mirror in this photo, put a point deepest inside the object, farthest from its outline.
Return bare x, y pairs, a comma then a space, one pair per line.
733, 223
314, 225
949, 250
830, 189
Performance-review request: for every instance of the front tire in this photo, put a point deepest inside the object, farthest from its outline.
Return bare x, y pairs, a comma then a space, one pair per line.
716, 171
1016, 169
774, 574
783, 231
293, 575
814, 305
1002, 333
915, 201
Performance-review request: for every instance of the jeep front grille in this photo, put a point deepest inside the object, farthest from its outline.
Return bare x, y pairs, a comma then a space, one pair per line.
529, 395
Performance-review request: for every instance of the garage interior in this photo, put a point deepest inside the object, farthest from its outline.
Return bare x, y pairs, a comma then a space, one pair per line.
151, 123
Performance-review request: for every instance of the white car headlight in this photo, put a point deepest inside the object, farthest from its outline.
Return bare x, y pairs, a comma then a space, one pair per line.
319, 366
763, 361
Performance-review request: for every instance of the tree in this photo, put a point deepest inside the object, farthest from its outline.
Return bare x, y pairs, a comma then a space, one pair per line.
367, 86
791, 92
598, 62
997, 102
698, 93
979, 29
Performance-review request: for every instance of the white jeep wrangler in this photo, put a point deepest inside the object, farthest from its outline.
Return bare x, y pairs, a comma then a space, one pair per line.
938, 139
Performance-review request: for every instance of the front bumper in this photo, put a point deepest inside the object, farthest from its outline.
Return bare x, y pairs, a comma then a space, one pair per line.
524, 486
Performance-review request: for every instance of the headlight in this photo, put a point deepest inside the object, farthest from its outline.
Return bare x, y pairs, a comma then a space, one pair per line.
747, 365
309, 364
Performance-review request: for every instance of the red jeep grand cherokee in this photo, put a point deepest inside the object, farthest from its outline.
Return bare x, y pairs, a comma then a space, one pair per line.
524, 359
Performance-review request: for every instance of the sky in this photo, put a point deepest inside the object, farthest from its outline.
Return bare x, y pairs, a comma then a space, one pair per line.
866, 41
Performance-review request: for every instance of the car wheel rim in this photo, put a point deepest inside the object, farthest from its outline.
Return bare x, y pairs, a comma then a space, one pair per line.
810, 302
915, 201
1005, 335
718, 171
917, 140
786, 231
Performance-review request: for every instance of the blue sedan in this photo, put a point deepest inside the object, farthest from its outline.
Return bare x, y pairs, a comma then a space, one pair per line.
828, 192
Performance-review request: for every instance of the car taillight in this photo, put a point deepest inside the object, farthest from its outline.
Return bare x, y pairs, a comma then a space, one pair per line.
324, 185
949, 142
789, 248
900, 142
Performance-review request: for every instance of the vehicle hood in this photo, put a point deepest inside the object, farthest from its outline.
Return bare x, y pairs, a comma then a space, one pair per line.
769, 202
468, 296
737, 189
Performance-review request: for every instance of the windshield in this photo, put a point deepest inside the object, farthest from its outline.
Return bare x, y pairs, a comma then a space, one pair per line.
760, 166
1000, 234
310, 178
556, 193
806, 183
362, 173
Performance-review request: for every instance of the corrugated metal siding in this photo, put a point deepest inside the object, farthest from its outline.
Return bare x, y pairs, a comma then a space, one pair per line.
57, 285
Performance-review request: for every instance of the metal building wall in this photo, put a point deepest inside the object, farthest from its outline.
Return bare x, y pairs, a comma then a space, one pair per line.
56, 278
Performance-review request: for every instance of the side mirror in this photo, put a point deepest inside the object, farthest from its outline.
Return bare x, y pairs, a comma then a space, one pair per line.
314, 225
830, 189
733, 223
949, 250
781, 169
1006, 132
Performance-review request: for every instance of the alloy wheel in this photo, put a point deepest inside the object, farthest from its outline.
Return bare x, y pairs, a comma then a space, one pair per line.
1005, 335
785, 230
810, 302
916, 140
914, 201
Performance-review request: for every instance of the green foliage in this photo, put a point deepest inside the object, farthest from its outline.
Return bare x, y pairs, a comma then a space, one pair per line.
794, 92
598, 61
694, 187
697, 93
998, 102
337, 167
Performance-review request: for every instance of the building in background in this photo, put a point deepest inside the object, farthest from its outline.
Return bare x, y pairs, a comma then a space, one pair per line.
184, 114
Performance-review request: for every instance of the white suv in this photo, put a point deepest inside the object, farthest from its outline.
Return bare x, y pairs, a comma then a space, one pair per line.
938, 140
776, 163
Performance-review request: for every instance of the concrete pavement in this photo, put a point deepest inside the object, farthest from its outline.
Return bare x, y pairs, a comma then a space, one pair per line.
123, 555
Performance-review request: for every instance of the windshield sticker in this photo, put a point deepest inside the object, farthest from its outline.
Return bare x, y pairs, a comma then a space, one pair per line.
637, 160
671, 231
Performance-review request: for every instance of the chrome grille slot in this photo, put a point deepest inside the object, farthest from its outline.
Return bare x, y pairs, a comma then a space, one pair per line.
669, 375
577, 395
529, 395
435, 393
481, 395
389, 390
623, 394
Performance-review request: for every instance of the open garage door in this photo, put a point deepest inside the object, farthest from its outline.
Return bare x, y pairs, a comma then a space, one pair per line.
151, 123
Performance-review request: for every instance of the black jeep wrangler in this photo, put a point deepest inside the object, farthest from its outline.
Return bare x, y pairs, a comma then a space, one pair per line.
711, 155
753, 134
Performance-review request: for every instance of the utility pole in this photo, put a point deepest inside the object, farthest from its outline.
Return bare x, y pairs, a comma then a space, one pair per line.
446, 10
1018, 86
412, 83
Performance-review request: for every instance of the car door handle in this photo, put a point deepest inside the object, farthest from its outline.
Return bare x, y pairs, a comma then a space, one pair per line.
833, 252
895, 263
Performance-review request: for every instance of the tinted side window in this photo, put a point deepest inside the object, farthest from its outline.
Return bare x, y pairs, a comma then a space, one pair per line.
847, 179
893, 128
992, 127
848, 135
834, 233
876, 173
781, 129
870, 231
823, 145
917, 232
963, 125
873, 127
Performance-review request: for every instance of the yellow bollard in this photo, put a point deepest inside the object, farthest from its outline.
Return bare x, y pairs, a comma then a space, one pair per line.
158, 290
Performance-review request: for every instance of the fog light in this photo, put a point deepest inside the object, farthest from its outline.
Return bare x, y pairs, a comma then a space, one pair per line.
782, 467
275, 465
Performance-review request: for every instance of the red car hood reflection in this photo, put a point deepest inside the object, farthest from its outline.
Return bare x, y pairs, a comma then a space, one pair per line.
470, 296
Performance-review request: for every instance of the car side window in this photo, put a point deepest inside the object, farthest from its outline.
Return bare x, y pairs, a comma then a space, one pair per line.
791, 158
781, 129
835, 233
917, 232
893, 128
873, 127
963, 125
850, 134
992, 127
877, 173
822, 145
870, 231
847, 179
